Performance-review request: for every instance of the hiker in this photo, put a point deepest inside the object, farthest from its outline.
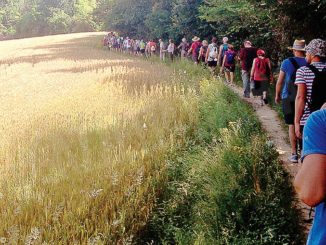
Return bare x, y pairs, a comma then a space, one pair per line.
212, 55
194, 49
311, 82
223, 48
286, 91
171, 49
142, 47
203, 52
184, 45
106, 40
162, 50
247, 54
310, 182
152, 47
228, 64
261, 75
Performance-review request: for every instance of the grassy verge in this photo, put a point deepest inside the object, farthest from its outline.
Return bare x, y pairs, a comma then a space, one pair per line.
227, 186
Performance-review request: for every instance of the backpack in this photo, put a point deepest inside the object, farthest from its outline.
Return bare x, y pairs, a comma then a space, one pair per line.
213, 52
229, 61
224, 49
318, 94
292, 88
262, 70
142, 45
197, 50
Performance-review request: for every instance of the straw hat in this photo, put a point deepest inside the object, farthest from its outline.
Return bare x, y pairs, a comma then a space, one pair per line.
195, 39
298, 45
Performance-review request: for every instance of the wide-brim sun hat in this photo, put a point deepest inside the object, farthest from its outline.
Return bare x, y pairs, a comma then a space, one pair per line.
298, 45
317, 47
195, 39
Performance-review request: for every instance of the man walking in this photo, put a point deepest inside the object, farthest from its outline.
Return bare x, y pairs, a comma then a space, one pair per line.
311, 84
287, 92
247, 56
194, 49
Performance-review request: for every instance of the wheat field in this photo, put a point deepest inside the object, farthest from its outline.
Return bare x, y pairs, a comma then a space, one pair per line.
86, 136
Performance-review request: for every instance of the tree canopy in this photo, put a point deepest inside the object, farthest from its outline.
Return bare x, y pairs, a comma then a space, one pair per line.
267, 23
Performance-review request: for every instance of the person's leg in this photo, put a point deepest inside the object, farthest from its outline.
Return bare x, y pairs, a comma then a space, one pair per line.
232, 77
246, 83
293, 139
227, 76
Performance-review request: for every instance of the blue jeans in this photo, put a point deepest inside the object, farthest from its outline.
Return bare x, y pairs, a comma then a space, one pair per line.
246, 82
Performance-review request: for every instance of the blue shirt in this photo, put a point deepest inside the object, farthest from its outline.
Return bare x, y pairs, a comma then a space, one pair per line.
288, 69
314, 142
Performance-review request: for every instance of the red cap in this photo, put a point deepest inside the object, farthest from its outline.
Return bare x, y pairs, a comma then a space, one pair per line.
260, 52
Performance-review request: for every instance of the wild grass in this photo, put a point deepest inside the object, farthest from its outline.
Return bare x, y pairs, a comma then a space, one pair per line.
86, 135
101, 148
228, 187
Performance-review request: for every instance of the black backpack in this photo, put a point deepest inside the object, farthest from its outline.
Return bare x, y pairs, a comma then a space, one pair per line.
292, 88
318, 93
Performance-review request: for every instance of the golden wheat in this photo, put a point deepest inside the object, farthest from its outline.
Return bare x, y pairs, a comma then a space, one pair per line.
85, 137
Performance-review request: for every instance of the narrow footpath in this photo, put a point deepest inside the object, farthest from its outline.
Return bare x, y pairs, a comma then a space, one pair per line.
273, 126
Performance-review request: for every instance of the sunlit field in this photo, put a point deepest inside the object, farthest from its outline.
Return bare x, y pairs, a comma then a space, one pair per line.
85, 136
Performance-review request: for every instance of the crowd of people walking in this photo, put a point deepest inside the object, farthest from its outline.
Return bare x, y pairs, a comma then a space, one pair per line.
300, 87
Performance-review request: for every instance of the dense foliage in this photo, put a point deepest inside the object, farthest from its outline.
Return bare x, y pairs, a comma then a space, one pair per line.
272, 24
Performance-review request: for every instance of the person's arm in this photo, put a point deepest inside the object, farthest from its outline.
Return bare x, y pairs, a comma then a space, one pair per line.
300, 102
310, 182
190, 50
223, 63
252, 70
270, 68
279, 84
207, 54
201, 50
219, 55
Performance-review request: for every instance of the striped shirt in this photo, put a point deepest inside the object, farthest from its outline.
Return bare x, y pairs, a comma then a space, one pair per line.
306, 76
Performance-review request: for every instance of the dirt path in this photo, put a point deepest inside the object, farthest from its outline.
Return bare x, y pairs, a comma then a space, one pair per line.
273, 126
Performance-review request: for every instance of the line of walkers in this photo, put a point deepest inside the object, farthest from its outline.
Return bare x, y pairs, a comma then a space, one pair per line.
301, 87
301, 84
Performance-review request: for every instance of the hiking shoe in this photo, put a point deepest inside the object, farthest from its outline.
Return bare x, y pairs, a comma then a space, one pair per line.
293, 158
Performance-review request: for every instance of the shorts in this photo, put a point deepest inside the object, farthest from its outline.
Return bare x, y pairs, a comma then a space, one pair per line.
212, 63
229, 68
288, 108
259, 87
142, 51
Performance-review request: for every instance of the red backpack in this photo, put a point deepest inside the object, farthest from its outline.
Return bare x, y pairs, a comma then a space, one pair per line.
262, 69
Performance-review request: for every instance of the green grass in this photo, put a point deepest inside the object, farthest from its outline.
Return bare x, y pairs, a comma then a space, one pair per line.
227, 186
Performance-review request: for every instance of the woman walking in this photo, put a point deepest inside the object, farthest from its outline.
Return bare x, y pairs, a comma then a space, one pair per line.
203, 52
261, 75
228, 64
